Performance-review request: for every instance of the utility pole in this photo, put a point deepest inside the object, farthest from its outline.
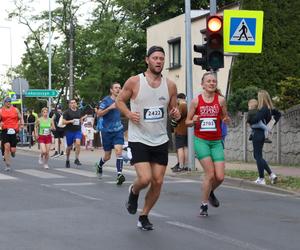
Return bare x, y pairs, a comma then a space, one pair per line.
49, 55
189, 80
71, 60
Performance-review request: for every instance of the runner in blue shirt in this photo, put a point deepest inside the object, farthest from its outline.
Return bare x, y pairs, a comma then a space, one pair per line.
111, 132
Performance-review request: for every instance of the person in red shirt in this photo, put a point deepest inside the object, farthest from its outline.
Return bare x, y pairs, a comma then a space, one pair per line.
10, 121
206, 112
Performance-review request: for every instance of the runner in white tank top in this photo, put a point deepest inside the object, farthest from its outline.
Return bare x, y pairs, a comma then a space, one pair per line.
152, 98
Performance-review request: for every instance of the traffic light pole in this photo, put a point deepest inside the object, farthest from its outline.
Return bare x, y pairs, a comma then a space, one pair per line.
212, 7
189, 80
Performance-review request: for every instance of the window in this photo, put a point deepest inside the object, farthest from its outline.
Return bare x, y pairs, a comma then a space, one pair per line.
174, 53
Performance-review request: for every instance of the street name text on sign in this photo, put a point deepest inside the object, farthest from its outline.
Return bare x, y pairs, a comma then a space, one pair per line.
41, 93
243, 31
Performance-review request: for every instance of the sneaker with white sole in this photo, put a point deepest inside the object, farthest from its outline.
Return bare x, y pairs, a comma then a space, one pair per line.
203, 210
273, 178
260, 181
144, 223
41, 161
132, 203
46, 166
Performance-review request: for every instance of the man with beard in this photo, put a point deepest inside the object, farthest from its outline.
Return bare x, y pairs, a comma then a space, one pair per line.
152, 98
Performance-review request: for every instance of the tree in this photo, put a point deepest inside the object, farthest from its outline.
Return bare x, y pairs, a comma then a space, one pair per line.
289, 93
238, 101
280, 57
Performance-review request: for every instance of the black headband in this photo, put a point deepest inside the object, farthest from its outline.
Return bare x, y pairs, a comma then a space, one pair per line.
154, 49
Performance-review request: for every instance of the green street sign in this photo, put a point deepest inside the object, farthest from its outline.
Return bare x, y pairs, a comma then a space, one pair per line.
41, 93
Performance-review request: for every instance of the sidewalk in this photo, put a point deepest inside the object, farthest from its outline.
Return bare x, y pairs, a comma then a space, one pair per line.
94, 156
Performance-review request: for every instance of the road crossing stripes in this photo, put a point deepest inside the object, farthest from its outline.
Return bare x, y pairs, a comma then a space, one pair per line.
58, 173
7, 177
39, 173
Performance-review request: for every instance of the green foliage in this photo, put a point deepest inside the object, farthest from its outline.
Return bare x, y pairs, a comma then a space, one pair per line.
238, 101
289, 93
280, 57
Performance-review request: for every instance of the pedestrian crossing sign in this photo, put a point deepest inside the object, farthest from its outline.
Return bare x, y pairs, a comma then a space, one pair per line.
243, 31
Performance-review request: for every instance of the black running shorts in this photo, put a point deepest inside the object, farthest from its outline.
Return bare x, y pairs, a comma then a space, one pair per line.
11, 139
144, 153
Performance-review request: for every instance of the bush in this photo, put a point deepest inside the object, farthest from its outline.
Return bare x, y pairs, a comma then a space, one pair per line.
238, 101
289, 93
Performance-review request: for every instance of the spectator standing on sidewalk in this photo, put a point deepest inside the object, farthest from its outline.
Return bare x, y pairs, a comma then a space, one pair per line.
152, 98
30, 125
43, 127
265, 112
181, 140
72, 118
111, 132
58, 132
11, 120
205, 114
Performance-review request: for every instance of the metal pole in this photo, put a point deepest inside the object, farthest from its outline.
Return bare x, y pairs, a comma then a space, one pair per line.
49, 57
71, 73
213, 7
189, 80
21, 97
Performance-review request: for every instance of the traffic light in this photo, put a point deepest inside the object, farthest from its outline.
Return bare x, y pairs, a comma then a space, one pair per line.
214, 37
202, 61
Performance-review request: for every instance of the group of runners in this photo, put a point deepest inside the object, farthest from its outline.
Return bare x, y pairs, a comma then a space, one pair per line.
153, 98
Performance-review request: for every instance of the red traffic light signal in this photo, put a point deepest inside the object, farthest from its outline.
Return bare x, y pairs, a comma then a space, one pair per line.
214, 37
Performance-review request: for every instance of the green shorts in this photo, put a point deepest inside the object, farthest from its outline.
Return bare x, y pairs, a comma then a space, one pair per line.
205, 148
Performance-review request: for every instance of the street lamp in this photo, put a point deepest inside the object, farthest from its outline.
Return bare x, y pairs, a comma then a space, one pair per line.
49, 57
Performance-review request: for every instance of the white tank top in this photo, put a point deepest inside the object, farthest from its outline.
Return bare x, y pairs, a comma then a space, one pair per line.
152, 104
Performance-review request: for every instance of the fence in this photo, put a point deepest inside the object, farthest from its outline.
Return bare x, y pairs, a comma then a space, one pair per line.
285, 148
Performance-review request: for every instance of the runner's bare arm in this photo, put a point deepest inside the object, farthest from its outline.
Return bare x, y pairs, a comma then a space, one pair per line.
173, 108
125, 95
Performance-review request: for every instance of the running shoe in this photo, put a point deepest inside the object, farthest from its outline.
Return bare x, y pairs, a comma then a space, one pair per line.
273, 178
132, 203
144, 223
62, 153
213, 200
77, 162
99, 169
120, 179
7, 169
175, 166
56, 154
46, 166
41, 161
260, 181
68, 164
203, 210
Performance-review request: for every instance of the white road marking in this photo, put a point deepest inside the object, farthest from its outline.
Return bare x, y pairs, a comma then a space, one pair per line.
216, 236
81, 172
74, 184
74, 193
39, 173
7, 177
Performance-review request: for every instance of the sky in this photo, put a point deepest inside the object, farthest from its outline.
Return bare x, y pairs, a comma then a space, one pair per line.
11, 39
13, 34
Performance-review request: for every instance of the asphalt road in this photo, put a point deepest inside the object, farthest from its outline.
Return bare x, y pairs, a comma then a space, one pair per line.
72, 209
